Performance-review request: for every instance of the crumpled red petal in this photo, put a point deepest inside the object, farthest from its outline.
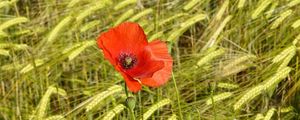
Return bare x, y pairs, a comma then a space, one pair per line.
146, 66
159, 51
133, 85
127, 37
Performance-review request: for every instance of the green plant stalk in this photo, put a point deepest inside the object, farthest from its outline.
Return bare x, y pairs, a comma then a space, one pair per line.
178, 97
131, 112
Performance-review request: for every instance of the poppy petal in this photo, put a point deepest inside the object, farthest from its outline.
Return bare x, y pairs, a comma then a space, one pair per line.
133, 85
127, 37
159, 51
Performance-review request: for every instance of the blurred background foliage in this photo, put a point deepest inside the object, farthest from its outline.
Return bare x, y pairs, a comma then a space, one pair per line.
233, 59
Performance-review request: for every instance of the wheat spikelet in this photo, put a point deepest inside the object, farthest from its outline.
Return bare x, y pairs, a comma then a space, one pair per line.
293, 3
3, 34
296, 40
227, 85
262, 6
279, 20
210, 56
112, 113
191, 4
239, 60
259, 116
155, 107
173, 117
56, 117
191, 21
89, 25
14, 46
216, 34
287, 60
218, 97
13, 66
248, 96
241, 3
30, 66
269, 114
274, 80
92, 9
4, 4
222, 10
287, 109
59, 27
296, 24
165, 21
141, 14
124, 16
12, 22
272, 9
290, 116
124, 3
73, 3
4, 52
43, 105
156, 35
101, 96
283, 54
234, 70
78, 50
184, 26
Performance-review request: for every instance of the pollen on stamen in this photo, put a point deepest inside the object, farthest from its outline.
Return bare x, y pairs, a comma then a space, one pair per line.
127, 60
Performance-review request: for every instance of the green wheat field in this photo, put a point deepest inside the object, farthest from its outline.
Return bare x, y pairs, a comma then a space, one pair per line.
233, 60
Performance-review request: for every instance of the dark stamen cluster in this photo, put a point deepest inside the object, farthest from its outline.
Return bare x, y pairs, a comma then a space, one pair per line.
127, 60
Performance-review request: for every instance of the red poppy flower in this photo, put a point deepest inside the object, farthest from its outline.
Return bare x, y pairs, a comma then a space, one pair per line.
139, 62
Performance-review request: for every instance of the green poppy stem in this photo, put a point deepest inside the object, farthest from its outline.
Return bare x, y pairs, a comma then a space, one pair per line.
131, 112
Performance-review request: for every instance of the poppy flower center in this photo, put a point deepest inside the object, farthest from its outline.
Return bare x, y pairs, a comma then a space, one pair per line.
127, 60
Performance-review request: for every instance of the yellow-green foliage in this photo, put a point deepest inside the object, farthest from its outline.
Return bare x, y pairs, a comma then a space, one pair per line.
232, 59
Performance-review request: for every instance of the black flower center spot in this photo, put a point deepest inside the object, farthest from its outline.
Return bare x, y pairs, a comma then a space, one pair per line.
127, 60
